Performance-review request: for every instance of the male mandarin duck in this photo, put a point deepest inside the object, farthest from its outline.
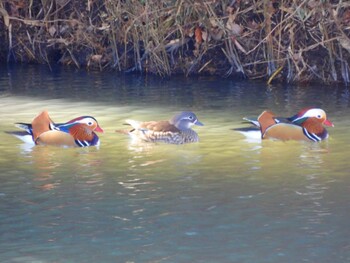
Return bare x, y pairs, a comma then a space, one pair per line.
79, 132
177, 130
306, 125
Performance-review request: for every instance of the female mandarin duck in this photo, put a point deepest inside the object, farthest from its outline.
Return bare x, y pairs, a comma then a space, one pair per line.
306, 125
79, 132
175, 131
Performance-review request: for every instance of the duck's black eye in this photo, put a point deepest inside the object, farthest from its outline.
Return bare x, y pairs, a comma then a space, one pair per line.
89, 123
190, 117
318, 116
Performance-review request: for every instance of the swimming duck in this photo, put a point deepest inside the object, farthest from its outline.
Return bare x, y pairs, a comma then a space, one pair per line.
307, 124
177, 130
79, 132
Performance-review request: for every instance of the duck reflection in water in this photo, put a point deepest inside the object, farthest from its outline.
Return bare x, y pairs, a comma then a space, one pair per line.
52, 167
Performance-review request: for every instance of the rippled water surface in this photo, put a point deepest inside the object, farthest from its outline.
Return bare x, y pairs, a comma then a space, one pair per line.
223, 199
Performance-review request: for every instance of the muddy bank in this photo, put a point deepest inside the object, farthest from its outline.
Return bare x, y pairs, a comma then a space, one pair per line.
289, 41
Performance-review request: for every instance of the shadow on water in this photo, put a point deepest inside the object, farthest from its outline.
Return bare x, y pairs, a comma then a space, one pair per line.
199, 92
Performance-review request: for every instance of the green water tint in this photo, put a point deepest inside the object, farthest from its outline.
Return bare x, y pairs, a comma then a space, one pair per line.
220, 200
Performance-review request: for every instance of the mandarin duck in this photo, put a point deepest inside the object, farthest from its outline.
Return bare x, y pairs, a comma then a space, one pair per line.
177, 130
79, 132
306, 125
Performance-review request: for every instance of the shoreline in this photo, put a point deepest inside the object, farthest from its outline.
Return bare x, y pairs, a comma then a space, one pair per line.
288, 42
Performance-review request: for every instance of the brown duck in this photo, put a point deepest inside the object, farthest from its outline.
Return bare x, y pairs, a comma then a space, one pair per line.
177, 130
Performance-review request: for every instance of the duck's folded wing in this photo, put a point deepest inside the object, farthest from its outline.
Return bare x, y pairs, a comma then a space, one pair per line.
285, 131
54, 137
160, 126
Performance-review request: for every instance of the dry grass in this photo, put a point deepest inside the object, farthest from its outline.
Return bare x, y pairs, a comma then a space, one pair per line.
293, 41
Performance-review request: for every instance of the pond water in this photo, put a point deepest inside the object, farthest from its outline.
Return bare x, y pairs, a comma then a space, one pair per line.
223, 199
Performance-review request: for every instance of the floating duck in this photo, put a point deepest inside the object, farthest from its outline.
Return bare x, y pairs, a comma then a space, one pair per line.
79, 132
307, 124
177, 130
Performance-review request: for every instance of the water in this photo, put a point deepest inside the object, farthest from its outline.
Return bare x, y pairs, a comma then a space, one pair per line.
220, 200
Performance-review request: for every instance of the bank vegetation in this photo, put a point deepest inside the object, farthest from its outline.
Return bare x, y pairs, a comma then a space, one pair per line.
293, 41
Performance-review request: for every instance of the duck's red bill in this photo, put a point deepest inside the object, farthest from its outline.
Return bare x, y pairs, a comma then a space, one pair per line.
98, 129
328, 123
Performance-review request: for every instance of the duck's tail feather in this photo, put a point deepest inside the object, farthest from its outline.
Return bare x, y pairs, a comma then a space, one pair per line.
22, 135
247, 129
252, 121
133, 123
24, 126
124, 131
